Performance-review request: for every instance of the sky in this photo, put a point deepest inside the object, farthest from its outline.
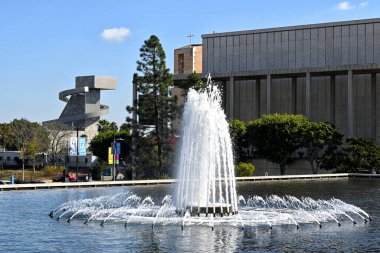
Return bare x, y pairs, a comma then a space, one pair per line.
45, 44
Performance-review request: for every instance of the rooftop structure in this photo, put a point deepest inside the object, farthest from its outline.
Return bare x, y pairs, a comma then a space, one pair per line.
83, 108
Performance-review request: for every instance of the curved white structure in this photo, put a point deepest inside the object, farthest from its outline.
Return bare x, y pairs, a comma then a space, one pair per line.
83, 108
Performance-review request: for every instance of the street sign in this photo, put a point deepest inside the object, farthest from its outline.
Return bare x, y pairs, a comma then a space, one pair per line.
118, 148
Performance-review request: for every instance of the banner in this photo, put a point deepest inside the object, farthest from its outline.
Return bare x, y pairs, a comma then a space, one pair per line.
110, 156
73, 146
82, 146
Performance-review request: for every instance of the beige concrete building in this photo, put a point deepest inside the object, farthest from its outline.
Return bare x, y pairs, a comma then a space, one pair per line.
327, 72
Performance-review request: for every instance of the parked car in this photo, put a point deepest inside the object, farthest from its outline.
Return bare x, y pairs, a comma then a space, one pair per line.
3, 182
61, 178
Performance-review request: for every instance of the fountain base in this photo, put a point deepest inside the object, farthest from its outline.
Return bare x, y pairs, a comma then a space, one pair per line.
219, 210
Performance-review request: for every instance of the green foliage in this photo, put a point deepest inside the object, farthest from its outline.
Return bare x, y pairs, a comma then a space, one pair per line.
244, 169
101, 142
318, 137
51, 171
238, 132
193, 81
105, 126
361, 155
154, 107
276, 136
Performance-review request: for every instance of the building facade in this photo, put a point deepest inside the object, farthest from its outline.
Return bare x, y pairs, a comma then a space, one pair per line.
83, 109
327, 72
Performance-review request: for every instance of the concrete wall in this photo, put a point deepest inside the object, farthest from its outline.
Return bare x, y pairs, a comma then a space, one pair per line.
331, 44
298, 49
192, 59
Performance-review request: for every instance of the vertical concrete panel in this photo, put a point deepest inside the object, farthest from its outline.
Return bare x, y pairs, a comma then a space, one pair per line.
236, 100
292, 50
321, 96
257, 99
353, 44
300, 95
329, 46
242, 53
228, 97
376, 43
285, 50
337, 45
350, 111
250, 100
361, 44
299, 48
210, 55
217, 59
338, 103
345, 45
377, 90
263, 50
306, 48
270, 51
236, 63
223, 54
369, 43
263, 97
230, 53
204, 56
243, 100
250, 52
256, 52
277, 50
321, 47
314, 47
313, 115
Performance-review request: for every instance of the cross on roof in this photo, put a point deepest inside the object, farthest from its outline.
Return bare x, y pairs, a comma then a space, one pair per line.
190, 35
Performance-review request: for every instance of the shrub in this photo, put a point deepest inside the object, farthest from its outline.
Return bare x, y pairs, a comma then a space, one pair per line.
50, 171
244, 169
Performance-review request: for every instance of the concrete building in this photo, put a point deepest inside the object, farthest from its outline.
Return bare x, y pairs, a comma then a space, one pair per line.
83, 108
327, 72
188, 59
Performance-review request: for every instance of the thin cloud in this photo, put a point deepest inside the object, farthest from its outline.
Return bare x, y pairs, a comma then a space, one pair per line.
115, 34
344, 6
363, 4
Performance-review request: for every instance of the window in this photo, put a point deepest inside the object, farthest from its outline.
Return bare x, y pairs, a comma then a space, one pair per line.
181, 63
8, 158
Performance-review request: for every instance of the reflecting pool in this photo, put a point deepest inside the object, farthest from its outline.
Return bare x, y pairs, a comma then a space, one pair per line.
25, 225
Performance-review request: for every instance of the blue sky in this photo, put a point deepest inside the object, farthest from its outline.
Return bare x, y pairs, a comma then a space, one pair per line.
44, 44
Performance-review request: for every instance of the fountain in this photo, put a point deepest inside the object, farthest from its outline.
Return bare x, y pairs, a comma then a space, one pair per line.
206, 191
206, 179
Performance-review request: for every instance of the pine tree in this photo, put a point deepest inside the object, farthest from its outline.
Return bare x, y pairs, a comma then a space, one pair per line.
154, 107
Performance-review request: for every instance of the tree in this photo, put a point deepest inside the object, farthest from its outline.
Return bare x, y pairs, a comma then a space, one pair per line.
58, 135
193, 81
238, 132
155, 107
105, 126
6, 136
316, 136
276, 137
363, 155
102, 141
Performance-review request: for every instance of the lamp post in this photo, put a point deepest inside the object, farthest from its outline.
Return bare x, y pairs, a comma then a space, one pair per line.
77, 157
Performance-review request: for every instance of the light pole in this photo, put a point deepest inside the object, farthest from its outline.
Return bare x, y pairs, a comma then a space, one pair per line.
77, 158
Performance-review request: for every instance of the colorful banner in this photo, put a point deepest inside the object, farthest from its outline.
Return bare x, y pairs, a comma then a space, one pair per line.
110, 156
73, 146
82, 146
116, 158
